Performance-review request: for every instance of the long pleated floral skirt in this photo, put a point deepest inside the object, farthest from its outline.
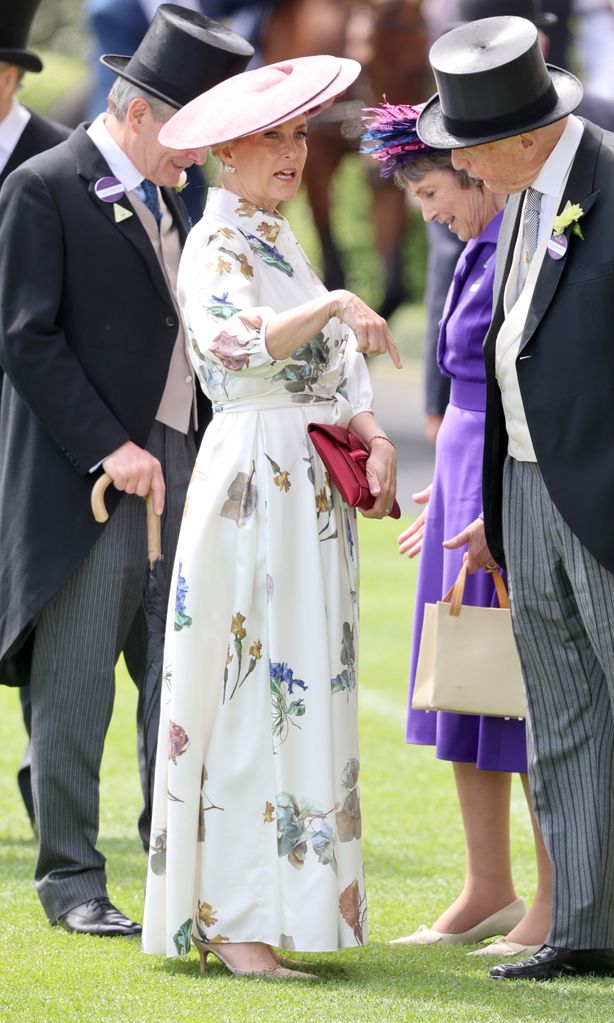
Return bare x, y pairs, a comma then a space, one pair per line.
256, 822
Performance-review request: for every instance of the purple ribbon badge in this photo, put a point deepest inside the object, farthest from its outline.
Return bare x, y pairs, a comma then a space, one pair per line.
557, 246
109, 189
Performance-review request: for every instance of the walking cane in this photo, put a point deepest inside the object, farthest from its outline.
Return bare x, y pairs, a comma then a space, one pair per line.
155, 596
154, 543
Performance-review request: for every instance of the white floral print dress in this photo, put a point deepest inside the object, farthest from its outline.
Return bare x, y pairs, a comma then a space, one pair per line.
256, 821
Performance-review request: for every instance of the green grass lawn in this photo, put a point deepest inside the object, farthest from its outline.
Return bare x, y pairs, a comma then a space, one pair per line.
413, 860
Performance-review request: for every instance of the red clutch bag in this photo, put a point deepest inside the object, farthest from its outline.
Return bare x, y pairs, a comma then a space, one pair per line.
345, 457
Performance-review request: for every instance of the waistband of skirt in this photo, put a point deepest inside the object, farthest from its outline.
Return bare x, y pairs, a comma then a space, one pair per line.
468, 394
273, 401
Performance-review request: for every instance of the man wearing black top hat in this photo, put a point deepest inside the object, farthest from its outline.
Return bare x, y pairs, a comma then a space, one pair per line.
548, 465
22, 134
94, 356
445, 248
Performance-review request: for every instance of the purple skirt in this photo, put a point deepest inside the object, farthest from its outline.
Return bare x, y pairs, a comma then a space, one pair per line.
493, 744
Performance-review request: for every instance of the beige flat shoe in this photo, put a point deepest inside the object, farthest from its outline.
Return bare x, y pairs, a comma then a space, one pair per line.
277, 972
505, 948
497, 923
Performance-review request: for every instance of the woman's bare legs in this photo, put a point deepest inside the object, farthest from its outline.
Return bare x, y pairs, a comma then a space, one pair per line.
484, 798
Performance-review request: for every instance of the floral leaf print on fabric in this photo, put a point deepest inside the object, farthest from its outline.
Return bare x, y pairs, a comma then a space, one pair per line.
268, 231
226, 232
206, 916
281, 478
324, 507
231, 352
268, 254
299, 824
349, 532
353, 909
223, 266
348, 818
254, 652
181, 938
242, 498
244, 265
178, 741
220, 307
245, 208
204, 804
314, 355
269, 813
284, 710
157, 848
345, 681
182, 620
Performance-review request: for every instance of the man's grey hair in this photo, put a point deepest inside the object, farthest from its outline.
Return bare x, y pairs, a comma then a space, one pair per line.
123, 92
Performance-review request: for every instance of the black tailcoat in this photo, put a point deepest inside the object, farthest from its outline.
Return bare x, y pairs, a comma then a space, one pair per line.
565, 363
38, 135
87, 329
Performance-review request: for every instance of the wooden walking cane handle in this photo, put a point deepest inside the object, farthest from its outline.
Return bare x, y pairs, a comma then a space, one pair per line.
97, 499
154, 543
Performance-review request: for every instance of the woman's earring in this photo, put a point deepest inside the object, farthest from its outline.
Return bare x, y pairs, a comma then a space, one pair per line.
229, 169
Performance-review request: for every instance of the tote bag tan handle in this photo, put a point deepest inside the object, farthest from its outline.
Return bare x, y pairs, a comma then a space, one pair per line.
154, 539
454, 596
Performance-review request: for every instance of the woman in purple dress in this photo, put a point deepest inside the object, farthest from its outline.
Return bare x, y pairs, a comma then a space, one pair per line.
485, 751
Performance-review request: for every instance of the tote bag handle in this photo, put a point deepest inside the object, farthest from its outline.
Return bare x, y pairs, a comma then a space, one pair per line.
454, 596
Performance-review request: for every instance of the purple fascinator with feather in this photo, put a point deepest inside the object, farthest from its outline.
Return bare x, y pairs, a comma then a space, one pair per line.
391, 136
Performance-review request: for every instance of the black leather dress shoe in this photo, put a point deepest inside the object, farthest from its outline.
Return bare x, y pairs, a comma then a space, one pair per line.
549, 963
99, 916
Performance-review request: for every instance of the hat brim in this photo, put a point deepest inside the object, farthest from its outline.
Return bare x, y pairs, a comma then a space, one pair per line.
196, 126
543, 20
432, 130
118, 64
22, 58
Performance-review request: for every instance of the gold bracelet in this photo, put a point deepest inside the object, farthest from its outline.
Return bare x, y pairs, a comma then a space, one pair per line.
341, 314
381, 436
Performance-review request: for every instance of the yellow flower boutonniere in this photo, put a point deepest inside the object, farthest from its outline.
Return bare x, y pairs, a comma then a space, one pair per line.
570, 216
183, 183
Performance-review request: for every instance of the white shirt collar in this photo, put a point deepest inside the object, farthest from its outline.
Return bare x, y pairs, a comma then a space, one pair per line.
11, 129
551, 177
120, 165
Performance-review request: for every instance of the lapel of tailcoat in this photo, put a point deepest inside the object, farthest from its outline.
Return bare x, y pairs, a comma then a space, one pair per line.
577, 190
92, 166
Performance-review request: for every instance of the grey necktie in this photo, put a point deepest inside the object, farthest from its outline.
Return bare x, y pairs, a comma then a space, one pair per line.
531, 224
151, 200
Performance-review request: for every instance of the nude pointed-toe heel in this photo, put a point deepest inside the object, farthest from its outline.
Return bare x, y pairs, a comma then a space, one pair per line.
270, 973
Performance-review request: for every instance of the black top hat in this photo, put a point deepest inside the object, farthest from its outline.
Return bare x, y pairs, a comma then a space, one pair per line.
493, 82
182, 54
15, 21
473, 10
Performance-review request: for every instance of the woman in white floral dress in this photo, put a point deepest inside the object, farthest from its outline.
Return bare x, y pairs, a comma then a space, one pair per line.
256, 821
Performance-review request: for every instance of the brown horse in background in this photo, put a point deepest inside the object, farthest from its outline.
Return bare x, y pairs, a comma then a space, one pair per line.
390, 40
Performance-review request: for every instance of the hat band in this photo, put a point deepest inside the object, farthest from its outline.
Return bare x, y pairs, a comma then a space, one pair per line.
516, 119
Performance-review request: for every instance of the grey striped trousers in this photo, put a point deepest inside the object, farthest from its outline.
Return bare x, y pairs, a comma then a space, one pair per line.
94, 617
563, 615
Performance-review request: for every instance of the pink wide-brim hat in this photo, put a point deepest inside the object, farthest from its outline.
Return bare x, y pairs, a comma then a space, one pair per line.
259, 99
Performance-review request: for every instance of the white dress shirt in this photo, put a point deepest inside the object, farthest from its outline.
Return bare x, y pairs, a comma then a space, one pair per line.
11, 130
518, 293
121, 166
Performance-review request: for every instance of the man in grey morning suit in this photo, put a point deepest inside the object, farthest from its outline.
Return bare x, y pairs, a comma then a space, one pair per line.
96, 375
548, 464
